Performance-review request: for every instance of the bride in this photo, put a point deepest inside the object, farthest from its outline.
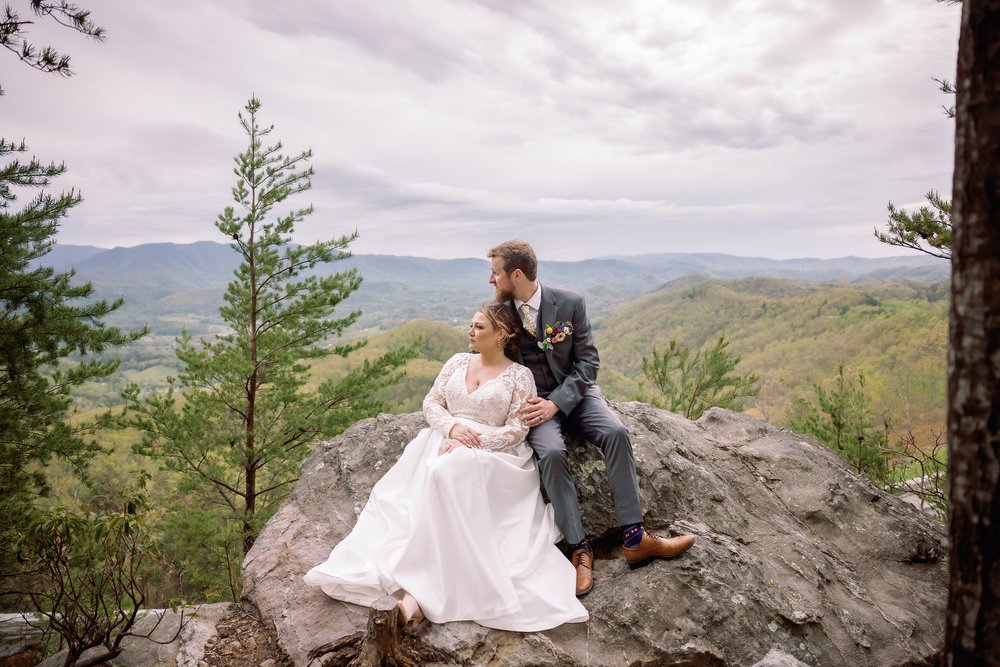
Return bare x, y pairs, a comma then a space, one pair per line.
457, 527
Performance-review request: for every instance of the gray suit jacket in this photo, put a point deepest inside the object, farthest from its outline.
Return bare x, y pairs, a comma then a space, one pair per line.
574, 361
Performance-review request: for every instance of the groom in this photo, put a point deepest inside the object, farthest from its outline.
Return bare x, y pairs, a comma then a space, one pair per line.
556, 344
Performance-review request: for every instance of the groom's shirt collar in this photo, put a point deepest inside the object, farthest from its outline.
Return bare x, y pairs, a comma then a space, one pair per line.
534, 301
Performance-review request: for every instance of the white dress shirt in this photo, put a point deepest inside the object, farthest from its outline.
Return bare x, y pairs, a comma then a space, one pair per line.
534, 305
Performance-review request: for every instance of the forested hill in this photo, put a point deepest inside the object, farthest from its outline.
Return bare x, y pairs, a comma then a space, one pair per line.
169, 285
794, 335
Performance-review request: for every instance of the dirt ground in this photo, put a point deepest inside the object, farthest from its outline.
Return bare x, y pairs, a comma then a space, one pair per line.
241, 640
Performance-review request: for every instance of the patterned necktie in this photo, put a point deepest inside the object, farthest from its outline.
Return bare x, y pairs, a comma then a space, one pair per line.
528, 320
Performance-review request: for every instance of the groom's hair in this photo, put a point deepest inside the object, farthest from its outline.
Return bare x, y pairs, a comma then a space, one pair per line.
516, 255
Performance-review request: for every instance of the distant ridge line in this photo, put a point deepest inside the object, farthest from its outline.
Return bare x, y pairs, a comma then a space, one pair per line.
907, 259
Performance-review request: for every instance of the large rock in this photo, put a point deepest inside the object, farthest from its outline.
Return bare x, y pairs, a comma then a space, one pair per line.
797, 557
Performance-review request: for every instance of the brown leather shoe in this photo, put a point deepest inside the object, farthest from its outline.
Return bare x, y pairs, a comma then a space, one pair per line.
652, 547
583, 561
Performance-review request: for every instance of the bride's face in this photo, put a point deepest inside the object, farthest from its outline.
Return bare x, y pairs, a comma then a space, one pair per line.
482, 334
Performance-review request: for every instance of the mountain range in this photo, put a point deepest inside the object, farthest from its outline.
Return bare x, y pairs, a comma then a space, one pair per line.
793, 322
168, 285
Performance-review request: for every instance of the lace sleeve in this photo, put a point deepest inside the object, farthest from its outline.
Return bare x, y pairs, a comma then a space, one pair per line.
514, 430
436, 401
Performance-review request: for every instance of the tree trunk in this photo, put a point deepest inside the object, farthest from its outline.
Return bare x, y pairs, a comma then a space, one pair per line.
382, 644
382, 641
972, 635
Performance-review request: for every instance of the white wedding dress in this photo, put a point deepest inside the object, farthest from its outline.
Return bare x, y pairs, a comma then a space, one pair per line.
466, 532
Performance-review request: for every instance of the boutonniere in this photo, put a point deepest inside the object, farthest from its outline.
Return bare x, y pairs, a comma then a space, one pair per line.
555, 333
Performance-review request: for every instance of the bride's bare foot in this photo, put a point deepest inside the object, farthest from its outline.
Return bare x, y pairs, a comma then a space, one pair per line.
410, 613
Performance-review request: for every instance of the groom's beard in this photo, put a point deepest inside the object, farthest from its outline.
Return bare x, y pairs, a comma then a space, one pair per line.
504, 295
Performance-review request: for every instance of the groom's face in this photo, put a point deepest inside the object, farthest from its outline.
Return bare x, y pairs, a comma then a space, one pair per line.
501, 280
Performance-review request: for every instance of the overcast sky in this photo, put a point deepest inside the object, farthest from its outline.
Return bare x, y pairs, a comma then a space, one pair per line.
775, 128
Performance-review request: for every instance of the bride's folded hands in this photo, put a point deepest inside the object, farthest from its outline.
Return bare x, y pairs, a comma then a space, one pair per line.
450, 444
465, 435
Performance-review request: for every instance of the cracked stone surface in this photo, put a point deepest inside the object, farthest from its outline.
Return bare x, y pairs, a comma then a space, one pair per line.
797, 557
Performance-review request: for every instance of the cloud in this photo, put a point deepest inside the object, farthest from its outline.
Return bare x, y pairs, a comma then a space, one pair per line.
423, 38
741, 126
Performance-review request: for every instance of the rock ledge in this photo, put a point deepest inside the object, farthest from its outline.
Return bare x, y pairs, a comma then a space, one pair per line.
798, 560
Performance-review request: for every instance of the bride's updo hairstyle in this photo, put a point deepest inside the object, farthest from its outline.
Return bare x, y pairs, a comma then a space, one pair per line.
503, 319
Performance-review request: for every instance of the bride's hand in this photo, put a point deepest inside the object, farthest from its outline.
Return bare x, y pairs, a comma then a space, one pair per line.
465, 435
448, 445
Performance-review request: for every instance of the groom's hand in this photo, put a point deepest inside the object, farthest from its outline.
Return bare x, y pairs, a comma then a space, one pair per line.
538, 410
465, 435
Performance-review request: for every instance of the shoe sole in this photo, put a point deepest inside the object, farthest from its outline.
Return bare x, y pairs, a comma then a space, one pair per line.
643, 563
580, 594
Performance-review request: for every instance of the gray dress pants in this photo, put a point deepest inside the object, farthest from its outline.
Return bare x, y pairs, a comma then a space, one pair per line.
593, 420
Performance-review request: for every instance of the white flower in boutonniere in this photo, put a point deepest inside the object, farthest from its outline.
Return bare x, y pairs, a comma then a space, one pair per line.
555, 333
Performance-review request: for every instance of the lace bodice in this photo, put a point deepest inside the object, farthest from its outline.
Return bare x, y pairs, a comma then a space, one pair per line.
496, 402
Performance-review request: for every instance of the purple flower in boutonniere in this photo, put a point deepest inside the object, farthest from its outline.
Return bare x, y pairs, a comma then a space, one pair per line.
555, 333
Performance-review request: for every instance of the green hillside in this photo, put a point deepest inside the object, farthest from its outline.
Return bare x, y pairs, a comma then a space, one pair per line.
791, 334
437, 342
794, 335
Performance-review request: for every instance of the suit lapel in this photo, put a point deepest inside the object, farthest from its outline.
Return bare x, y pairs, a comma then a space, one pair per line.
547, 312
547, 315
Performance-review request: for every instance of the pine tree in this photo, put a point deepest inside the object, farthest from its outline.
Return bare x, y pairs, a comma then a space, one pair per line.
844, 419
14, 29
928, 229
238, 421
50, 328
692, 384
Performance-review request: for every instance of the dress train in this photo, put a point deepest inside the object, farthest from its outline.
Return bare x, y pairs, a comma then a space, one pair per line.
466, 533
